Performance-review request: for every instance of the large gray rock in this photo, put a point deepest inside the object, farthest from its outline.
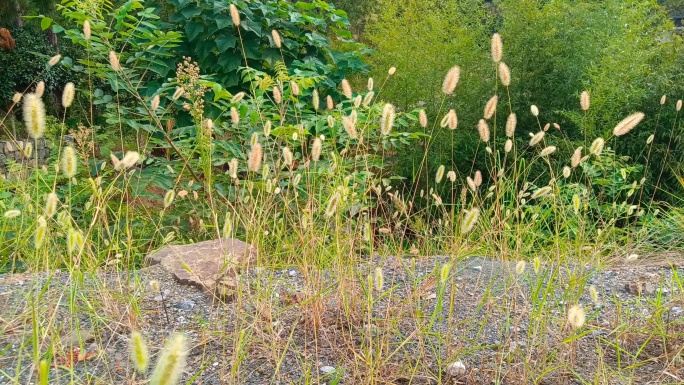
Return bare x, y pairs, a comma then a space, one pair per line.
210, 265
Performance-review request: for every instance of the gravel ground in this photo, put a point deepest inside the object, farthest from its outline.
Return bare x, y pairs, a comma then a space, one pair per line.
289, 326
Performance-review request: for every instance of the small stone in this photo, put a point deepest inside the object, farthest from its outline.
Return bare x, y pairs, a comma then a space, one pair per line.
676, 310
185, 305
478, 268
456, 369
293, 273
159, 298
327, 369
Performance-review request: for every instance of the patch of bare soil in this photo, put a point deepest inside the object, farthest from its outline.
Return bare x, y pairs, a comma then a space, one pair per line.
294, 326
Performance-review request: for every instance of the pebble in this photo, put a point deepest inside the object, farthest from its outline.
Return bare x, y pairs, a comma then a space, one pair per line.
327, 369
185, 305
456, 369
478, 268
293, 273
676, 310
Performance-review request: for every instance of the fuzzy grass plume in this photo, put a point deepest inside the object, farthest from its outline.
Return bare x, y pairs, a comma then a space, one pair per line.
388, 116
628, 123
171, 362
276, 39
470, 220
69, 162
34, 115
490, 107
497, 48
451, 80
504, 74
483, 130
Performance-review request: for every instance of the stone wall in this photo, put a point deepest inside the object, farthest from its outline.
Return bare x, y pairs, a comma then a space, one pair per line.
12, 151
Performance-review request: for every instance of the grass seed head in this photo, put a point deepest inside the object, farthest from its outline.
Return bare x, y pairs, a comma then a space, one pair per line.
349, 127
576, 157
368, 98
511, 123
237, 98
316, 149
69, 162
490, 107
584, 100
628, 123
504, 74
471, 184
483, 130
294, 87
576, 317
536, 138
178, 93
51, 203
287, 157
333, 203
315, 100
663, 99
440, 174
154, 105
9, 214
678, 105
234, 115
54, 60
649, 140
593, 293
68, 94
547, 151
497, 48
597, 146
329, 103
541, 192
534, 110
422, 118
74, 240
130, 159
566, 172
254, 157
40, 89
508, 146
451, 176
41, 230
357, 101
370, 84
227, 230
114, 61
520, 267
346, 89
470, 220
168, 198
235, 15
451, 80
139, 354
34, 115
276, 39
388, 116
233, 166
277, 95
391, 71
17, 97
444, 273
171, 362
478, 178
86, 30
379, 280
536, 264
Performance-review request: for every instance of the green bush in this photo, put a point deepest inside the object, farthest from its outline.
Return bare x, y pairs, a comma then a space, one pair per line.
306, 30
